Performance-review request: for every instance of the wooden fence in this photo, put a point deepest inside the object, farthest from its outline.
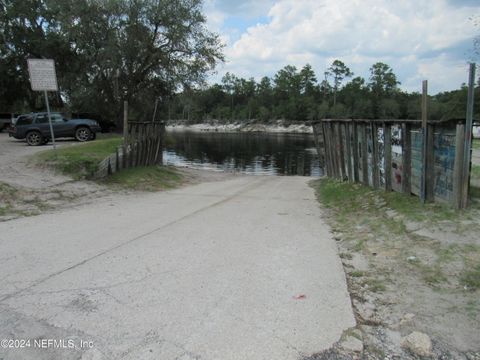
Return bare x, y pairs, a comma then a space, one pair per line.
142, 146
392, 155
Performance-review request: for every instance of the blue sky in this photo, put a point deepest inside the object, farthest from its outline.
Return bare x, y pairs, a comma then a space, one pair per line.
419, 39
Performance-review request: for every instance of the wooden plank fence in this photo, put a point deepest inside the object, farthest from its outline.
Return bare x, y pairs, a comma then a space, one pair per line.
142, 146
389, 154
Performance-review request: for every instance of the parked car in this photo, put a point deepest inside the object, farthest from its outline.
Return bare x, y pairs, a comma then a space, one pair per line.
106, 124
35, 128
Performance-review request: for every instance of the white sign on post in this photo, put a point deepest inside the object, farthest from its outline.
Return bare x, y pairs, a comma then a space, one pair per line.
43, 78
42, 74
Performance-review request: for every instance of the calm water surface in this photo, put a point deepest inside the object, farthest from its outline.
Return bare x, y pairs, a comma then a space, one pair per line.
250, 153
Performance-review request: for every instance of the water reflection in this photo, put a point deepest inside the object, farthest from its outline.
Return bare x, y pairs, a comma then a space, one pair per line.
251, 153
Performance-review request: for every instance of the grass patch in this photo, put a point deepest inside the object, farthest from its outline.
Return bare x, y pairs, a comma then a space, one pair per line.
475, 171
369, 217
471, 277
346, 256
476, 143
80, 160
8, 195
375, 285
150, 178
7, 192
433, 275
356, 273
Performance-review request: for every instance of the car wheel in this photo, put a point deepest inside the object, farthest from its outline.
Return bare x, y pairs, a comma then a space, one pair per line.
34, 138
83, 134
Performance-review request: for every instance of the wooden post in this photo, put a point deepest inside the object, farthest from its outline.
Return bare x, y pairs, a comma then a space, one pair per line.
325, 151
387, 145
430, 173
349, 152
334, 149
130, 154
375, 168
117, 160
423, 176
343, 174
364, 154
407, 157
356, 177
124, 156
467, 151
458, 166
125, 122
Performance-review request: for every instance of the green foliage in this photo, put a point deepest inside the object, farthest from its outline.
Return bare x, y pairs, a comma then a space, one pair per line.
297, 95
78, 161
339, 71
105, 52
476, 143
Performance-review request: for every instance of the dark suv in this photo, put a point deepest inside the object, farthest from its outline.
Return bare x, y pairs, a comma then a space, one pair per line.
36, 129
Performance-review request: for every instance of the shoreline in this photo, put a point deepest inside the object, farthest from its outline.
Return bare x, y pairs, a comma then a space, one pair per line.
227, 128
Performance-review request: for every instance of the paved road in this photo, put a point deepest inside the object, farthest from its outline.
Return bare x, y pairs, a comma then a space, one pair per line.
210, 271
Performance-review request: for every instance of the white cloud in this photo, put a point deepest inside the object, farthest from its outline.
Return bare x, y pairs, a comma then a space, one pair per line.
417, 38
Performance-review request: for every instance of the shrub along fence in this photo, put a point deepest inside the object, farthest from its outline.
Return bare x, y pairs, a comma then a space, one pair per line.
397, 155
142, 146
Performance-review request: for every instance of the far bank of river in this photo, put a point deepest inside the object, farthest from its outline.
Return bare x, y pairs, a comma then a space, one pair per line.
238, 127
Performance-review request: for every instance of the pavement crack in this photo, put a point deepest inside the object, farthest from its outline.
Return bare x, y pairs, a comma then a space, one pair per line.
242, 190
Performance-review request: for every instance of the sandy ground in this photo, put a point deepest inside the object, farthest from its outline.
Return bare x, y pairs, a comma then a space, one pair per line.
405, 276
40, 189
14, 167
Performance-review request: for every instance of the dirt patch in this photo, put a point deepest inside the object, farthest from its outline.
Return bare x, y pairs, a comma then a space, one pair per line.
410, 269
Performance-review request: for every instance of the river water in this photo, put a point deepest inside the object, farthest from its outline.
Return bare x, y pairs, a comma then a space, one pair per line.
250, 153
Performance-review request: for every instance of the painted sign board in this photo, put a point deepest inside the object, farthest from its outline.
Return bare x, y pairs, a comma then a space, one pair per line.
42, 74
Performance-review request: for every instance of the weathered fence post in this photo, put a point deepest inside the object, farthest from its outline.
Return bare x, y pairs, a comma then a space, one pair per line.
467, 151
406, 157
349, 152
387, 158
430, 172
458, 167
375, 168
117, 160
364, 153
125, 121
356, 177
423, 177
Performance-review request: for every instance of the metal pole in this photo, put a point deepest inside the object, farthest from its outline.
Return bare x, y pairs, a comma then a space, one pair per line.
424, 140
468, 136
50, 120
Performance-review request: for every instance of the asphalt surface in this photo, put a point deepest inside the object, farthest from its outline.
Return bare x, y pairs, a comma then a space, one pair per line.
237, 269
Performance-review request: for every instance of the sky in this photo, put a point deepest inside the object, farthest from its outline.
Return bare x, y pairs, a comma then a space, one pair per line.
420, 39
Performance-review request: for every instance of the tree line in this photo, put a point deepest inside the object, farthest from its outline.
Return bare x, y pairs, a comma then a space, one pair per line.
299, 95
105, 52
159, 52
